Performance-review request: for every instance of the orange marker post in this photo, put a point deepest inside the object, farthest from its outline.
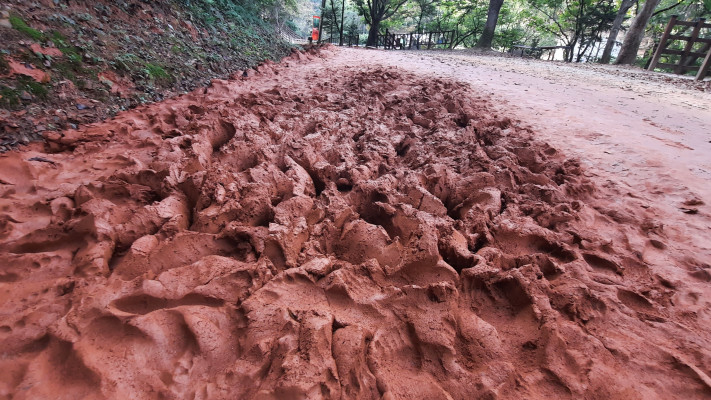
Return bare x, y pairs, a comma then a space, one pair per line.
316, 30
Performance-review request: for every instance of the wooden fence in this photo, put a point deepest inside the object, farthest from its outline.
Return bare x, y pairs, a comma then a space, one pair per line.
682, 58
289, 35
417, 41
348, 40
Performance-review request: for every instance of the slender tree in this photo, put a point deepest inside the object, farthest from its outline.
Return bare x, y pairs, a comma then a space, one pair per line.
492, 17
466, 17
630, 46
425, 8
614, 30
343, 13
578, 24
338, 24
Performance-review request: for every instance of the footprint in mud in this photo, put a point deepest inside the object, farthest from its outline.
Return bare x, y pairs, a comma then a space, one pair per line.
143, 304
549, 269
519, 244
634, 300
514, 293
602, 264
644, 308
702, 274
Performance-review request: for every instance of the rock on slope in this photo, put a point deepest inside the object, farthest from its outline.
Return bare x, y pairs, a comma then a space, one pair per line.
367, 234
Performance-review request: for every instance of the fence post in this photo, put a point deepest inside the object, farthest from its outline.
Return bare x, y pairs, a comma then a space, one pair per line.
662, 43
689, 45
704, 68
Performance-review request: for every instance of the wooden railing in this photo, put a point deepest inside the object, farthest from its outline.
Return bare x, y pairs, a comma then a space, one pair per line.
537, 52
289, 35
417, 41
688, 56
348, 40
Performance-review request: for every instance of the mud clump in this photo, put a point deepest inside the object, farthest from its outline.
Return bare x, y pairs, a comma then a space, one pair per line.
366, 234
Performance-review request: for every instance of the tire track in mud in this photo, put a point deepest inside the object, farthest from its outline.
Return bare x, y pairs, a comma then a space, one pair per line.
368, 234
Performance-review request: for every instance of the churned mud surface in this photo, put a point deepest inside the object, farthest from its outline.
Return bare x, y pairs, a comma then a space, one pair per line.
319, 230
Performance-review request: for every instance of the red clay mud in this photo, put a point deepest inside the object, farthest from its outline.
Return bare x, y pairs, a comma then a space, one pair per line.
363, 233
26, 69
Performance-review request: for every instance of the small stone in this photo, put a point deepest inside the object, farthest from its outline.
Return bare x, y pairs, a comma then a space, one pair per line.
81, 107
25, 96
321, 266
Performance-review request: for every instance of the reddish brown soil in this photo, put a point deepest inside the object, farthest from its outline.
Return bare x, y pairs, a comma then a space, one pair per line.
356, 233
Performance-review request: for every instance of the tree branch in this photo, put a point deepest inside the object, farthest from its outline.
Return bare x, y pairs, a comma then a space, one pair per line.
668, 8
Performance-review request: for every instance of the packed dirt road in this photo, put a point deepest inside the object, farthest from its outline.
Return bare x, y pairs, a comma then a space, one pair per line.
359, 224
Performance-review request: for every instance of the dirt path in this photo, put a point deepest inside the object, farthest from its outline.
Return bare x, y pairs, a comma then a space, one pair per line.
324, 229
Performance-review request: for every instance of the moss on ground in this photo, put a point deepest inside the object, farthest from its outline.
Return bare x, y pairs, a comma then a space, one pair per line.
21, 26
34, 88
9, 98
156, 72
4, 66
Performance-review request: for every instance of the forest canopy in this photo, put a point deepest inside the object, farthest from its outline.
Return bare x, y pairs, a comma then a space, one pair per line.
593, 29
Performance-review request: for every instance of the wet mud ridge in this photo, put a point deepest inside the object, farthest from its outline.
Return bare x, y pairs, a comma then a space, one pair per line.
363, 234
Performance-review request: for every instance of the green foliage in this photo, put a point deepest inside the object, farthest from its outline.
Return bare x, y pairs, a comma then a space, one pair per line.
291, 25
32, 87
21, 26
157, 73
125, 62
9, 98
4, 67
573, 22
70, 52
245, 22
505, 38
243, 13
467, 17
66, 70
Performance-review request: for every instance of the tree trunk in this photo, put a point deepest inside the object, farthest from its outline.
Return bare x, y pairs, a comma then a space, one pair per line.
373, 34
628, 52
343, 10
571, 55
320, 21
492, 17
614, 30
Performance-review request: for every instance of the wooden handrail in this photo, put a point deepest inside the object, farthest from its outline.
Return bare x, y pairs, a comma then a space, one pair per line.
687, 56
